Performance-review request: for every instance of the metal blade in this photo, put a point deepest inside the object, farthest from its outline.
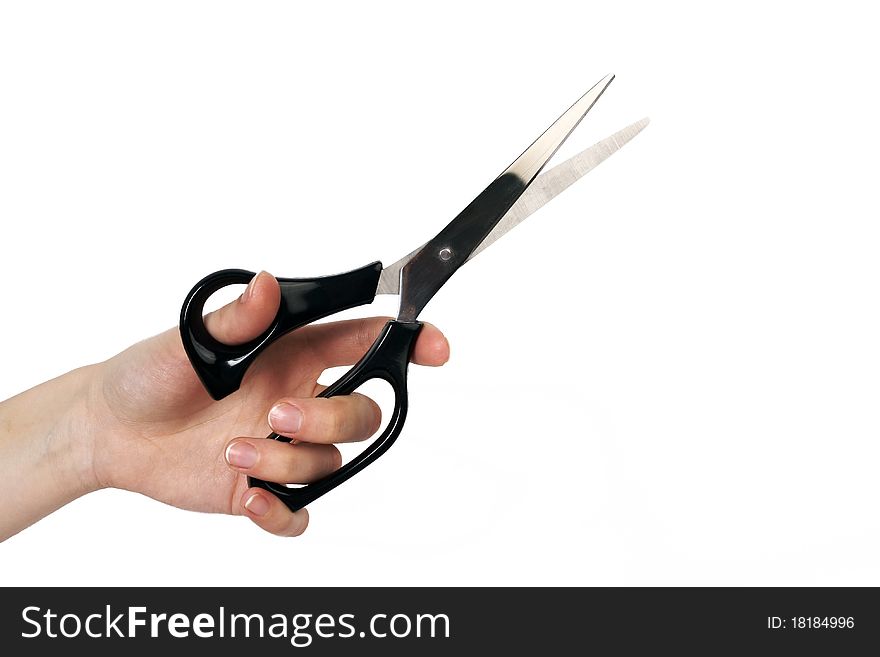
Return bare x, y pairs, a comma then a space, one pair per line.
429, 269
546, 187
555, 181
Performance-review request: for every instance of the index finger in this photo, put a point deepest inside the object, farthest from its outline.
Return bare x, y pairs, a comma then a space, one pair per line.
344, 343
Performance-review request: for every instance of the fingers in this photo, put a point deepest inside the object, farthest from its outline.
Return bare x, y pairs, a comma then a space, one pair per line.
343, 419
282, 462
249, 315
315, 423
273, 460
432, 348
343, 343
270, 513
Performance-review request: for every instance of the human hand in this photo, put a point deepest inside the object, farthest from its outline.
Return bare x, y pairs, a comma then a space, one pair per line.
146, 424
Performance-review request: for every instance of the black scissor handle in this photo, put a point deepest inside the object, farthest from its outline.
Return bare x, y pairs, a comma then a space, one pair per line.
387, 359
221, 367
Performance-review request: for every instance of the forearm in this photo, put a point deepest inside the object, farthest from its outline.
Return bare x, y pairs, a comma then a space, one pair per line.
45, 450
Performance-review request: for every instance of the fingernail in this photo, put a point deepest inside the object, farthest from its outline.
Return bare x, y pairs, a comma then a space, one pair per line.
249, 290
257, 504
285, 418
241, 455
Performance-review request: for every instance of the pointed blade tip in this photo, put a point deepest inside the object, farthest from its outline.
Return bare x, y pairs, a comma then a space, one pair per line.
633, 129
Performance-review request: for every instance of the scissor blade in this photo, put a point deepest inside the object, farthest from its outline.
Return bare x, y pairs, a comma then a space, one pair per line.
545, 188
440, 258
552, 183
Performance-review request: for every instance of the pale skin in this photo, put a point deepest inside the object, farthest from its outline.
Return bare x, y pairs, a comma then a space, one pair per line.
141, 421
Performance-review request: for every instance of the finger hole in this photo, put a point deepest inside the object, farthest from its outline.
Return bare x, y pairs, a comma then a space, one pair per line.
213, 313
222, 297
232, 322
382, 394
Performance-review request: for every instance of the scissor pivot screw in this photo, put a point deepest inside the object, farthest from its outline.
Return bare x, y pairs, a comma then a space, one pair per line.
445, 254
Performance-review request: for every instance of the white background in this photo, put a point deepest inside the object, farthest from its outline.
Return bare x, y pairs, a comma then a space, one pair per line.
670, 375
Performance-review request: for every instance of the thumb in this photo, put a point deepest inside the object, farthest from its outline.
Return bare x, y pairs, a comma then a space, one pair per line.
249, 315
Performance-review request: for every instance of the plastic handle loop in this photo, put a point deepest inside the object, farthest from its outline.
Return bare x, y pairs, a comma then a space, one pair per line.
387, 359
222, 367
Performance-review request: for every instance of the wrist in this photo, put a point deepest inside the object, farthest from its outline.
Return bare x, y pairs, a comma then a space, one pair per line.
62, 433
45, 449
75, 433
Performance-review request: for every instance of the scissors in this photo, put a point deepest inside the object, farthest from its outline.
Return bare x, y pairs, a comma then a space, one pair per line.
508, 200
